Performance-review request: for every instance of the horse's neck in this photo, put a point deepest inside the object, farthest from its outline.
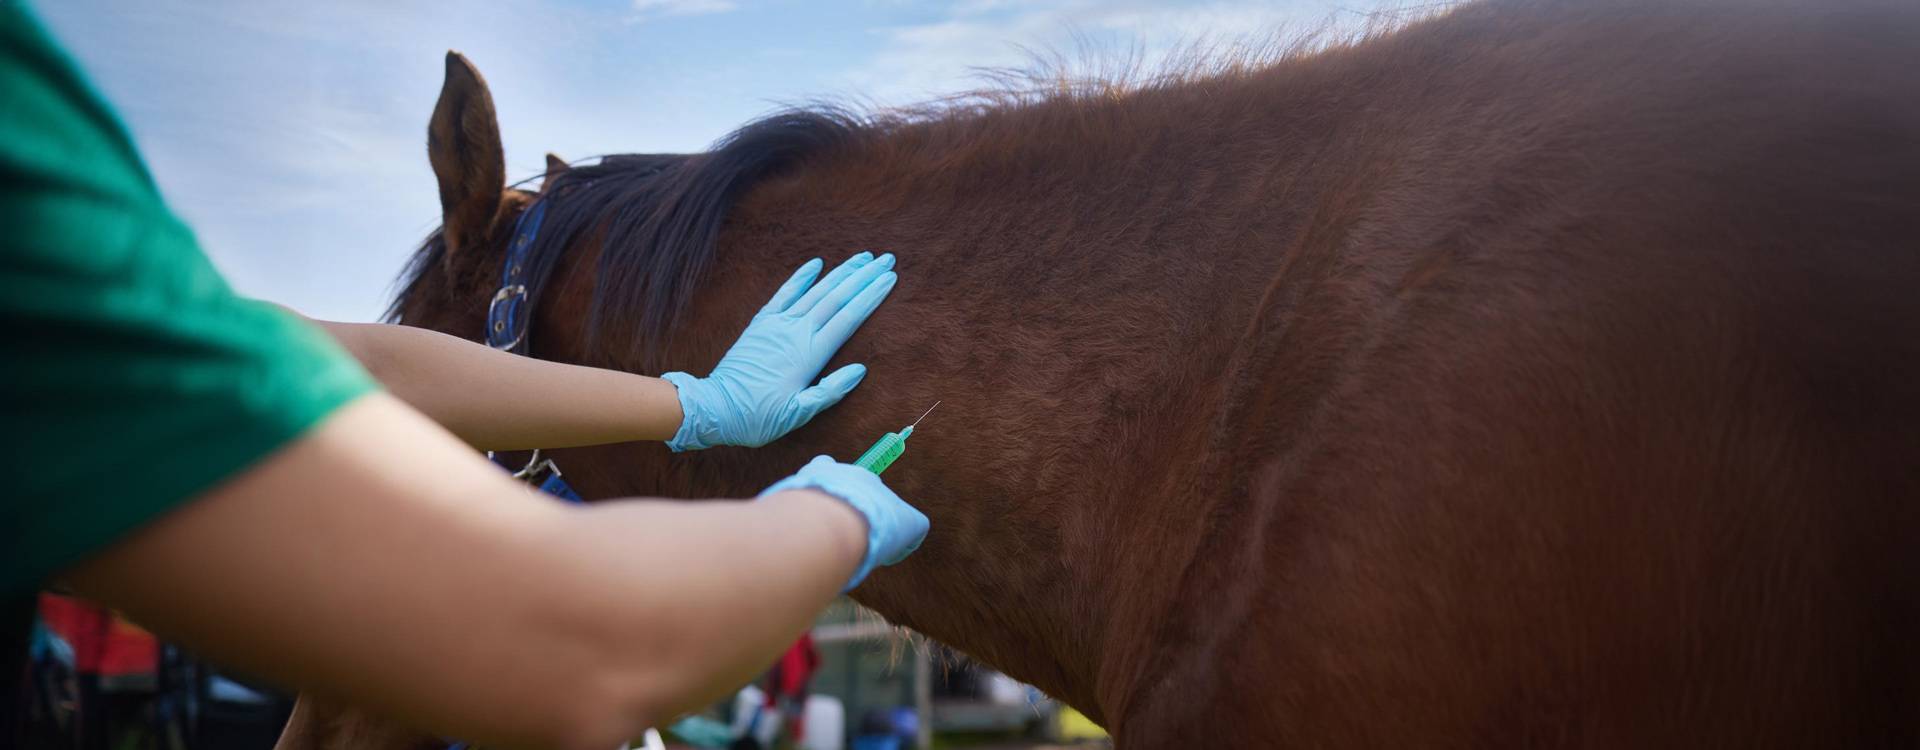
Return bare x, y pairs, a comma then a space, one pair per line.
1056, 472
1015, 471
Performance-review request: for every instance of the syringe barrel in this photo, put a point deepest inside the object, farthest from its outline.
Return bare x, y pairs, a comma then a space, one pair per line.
883, 453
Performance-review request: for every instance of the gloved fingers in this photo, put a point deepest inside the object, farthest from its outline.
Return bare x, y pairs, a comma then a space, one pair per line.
844, 323
912, 526
833, 279
796, 285
835, 386
847, 290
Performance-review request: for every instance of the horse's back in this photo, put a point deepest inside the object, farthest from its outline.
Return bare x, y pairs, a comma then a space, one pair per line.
1594, 420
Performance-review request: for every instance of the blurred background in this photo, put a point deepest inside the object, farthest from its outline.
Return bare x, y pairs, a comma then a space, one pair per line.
292, 137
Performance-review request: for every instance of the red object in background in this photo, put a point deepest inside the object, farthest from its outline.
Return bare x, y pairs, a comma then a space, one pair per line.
788, 682
103, 643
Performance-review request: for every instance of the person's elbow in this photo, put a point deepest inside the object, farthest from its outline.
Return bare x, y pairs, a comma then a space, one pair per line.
599, 709
617, 690
609, 715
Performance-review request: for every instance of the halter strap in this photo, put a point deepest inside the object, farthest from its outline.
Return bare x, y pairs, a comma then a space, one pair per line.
508, 313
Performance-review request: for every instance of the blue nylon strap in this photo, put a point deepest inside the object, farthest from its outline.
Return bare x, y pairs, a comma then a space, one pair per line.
508, 312
557, 487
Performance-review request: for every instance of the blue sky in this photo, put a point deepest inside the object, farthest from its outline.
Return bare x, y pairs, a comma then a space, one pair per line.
292, 135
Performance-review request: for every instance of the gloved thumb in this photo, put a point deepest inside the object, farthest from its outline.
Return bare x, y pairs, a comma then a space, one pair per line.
835, 386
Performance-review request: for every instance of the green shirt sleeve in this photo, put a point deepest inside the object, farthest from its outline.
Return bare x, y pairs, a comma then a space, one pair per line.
133, 378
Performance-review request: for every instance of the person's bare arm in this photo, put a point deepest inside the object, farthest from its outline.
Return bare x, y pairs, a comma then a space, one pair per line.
434, 589
763, 388
494, 400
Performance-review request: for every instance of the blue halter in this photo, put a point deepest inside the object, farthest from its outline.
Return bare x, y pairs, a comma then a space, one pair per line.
508, 317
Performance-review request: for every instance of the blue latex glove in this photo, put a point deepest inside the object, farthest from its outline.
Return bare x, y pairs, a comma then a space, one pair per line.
894, 528
760, 390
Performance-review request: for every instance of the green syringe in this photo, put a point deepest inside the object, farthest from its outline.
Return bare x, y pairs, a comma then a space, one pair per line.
891, 445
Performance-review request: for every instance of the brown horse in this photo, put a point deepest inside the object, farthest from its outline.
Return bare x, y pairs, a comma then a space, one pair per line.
1542, 373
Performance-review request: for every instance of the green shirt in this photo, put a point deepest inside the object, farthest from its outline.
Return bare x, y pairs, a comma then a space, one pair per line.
133, 379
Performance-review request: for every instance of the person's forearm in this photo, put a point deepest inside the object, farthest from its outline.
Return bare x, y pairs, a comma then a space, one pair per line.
438, 591
499, 401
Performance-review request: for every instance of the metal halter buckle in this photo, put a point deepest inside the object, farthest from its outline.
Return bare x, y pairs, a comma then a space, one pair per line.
535, 465
500, 321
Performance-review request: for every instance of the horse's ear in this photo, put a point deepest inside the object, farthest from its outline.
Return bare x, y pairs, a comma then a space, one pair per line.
556, 166
463, 143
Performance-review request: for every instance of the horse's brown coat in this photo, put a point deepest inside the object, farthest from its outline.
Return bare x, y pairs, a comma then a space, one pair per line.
1547, 373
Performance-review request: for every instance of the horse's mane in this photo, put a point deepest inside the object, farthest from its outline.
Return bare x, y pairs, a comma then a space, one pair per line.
660, 215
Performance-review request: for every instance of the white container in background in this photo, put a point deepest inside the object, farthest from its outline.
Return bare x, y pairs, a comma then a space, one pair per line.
826, 724
1005, 691
749, 706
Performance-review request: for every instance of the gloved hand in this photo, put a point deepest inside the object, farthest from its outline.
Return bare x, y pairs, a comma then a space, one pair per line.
759, 391
894, 528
